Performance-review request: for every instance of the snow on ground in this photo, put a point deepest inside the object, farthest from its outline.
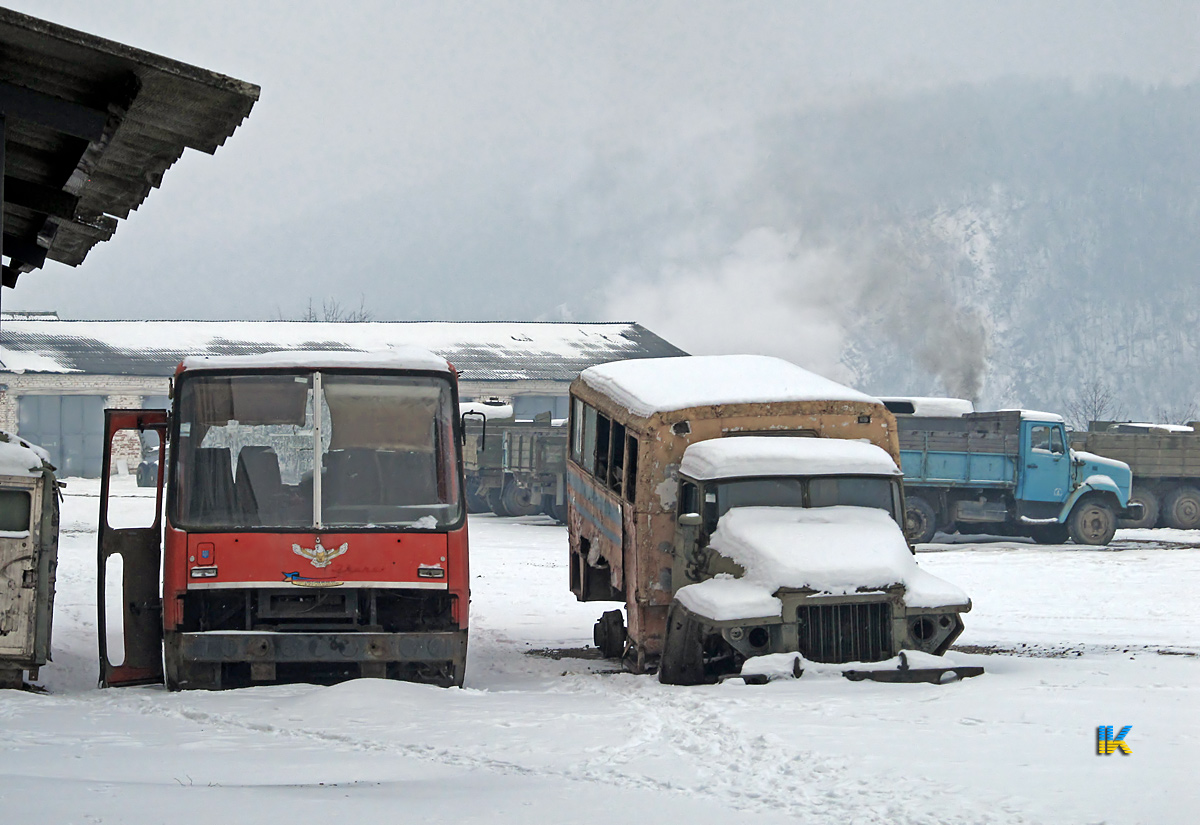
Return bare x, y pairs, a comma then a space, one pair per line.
536, 739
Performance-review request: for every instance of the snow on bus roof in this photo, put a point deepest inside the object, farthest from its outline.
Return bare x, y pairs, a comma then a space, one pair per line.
652, 385
743, 456
402, 357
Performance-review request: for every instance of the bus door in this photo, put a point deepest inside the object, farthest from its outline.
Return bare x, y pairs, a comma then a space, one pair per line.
138, 547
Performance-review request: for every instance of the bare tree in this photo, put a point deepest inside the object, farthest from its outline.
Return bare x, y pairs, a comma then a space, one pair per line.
1177, 414
1096, 401
332, 310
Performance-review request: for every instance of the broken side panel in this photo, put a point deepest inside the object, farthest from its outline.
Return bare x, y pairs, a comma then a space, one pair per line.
139, 550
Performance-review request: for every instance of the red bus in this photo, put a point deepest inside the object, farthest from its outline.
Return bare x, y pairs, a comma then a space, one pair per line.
314, 526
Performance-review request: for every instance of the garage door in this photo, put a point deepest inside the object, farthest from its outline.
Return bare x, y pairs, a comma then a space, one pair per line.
70, 427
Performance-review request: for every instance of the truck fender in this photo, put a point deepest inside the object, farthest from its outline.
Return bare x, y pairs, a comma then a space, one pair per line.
1092, 484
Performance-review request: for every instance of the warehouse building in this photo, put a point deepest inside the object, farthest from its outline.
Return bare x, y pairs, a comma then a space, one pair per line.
57, 377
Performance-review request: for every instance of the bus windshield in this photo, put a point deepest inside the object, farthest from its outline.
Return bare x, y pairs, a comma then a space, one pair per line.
248, 446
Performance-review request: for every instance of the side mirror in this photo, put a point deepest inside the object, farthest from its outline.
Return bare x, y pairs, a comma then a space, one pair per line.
690, 520
483, 419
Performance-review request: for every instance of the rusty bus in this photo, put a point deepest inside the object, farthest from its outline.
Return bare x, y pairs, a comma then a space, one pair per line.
668, 525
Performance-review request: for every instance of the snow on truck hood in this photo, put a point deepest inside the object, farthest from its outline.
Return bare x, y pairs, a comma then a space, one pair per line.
651, 385
834, 550
747, 455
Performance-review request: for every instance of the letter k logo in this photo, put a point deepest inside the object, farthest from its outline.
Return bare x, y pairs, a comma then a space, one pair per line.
1107, 744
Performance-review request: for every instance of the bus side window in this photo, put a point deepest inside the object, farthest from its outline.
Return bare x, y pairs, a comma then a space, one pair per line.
631, 457
616, 464
587, 449
600, 469
576, 430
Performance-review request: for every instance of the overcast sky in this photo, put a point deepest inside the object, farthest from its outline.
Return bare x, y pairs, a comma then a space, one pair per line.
425, 156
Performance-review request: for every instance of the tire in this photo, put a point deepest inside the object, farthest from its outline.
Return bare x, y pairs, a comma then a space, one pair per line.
1092, 521
683, 650
609, 634
920, 520
1181, 508
475, 502
1150, 509
518, 501
1050, 533
558, 512
495, 501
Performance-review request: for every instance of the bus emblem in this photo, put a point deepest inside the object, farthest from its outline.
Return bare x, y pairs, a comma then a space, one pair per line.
319, 556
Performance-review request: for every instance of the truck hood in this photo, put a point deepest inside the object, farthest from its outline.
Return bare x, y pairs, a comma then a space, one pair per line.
1086, 465
834, 550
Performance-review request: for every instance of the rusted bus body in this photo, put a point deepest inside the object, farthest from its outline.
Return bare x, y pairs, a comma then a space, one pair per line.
622, 503
28, 560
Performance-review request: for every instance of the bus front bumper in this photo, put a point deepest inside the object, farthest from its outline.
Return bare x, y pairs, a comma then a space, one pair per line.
279, 647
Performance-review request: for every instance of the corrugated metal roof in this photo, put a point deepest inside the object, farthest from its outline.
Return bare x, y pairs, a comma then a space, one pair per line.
481, 351
153, 109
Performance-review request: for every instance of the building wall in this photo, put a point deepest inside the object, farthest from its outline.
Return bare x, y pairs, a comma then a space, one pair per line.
119, 392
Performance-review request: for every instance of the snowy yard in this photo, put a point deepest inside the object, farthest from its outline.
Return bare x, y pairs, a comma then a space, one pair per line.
1075, 638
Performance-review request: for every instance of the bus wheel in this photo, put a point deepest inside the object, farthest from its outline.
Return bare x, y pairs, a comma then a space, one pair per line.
609, 634
1150, 509
518, 500
1181, 509
1092, 521
920, 520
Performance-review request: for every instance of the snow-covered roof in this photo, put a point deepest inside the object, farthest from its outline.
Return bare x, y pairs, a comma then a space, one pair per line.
835, 550
397, 358
481, 351
1036, 415
928, 406
742, 456
19, 457
655, 385
1133, 426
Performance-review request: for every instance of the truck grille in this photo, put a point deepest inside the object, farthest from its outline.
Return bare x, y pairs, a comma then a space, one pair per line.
836, 633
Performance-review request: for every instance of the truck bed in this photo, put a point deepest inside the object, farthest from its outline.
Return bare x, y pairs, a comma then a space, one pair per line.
978, 450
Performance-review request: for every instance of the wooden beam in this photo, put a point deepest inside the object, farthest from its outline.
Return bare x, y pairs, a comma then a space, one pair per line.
20, 103
44, 200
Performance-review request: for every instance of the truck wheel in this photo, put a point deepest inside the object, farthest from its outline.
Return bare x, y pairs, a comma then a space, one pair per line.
920, 520
683, 650
495, 500
475, 502
1181, 509
1050, 533
518, 501
1150, 509
1092, 521
558, 512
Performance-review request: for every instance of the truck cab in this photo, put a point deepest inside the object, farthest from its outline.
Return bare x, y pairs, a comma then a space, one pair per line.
795, 545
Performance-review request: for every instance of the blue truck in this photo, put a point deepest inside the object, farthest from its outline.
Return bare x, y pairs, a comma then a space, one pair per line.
1011, 473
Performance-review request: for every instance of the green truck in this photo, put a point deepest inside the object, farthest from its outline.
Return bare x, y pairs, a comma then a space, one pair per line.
516, 467
1165, 460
